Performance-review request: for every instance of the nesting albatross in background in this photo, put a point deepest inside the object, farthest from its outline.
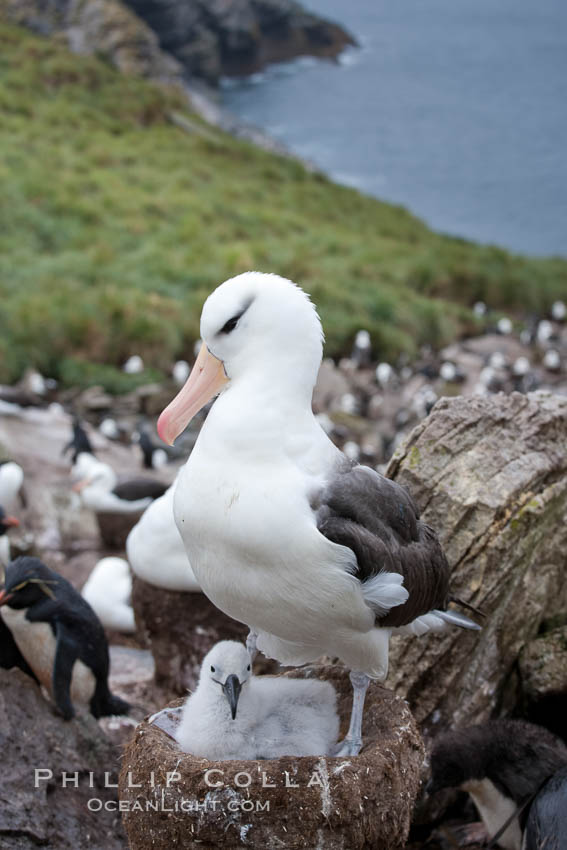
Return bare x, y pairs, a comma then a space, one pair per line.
316, 554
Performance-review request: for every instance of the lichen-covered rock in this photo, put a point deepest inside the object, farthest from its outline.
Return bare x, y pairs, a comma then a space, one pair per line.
490, 475
349, 803
172, 39
107, 28
180, 628
543, 665
33, 737
214, 37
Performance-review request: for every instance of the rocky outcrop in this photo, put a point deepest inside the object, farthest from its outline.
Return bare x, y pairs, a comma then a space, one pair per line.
542, 681
175, 39
35, 808
490, 475
235, 37
106, 28
356, 802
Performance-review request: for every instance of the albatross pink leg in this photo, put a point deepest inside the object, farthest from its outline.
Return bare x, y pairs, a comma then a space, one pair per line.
251, 644
352, 744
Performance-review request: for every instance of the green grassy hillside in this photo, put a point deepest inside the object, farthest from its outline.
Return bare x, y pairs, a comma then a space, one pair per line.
115, 224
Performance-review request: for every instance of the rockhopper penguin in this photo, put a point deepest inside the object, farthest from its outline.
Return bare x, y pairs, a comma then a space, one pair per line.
501, 764
60, 637
10, 655
546, 827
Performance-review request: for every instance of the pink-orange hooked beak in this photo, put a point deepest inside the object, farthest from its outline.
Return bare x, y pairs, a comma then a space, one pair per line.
206, 380
80, 485
5, 597
10, 520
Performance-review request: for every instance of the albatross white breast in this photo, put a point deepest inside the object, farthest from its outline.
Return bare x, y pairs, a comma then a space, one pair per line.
283, 532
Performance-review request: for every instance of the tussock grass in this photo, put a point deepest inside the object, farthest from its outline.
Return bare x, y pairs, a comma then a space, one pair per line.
115, 224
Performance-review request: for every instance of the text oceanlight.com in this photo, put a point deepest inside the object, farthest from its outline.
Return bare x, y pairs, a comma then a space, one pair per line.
160, 804
161, 786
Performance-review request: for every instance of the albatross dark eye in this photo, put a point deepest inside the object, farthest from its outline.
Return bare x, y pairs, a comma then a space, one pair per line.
230, 325
212, 669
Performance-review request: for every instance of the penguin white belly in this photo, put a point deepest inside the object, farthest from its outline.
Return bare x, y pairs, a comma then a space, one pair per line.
37, 644
4, 551
495, 809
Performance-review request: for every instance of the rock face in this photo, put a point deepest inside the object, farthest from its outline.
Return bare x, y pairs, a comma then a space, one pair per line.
490, 475
543, 680
214, 37
105, 27
543, 665
32, 736
172, 39
180, 628
354, 803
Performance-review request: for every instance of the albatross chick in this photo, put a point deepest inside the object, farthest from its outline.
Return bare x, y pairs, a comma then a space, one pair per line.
235, 715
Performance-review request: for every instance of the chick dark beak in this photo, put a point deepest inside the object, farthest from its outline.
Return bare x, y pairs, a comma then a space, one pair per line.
5, 597
430, 787
232, 688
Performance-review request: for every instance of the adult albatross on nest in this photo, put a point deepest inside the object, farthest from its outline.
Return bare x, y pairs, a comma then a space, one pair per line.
315, 554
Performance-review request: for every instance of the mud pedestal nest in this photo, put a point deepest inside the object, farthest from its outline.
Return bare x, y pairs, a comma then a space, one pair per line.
174, 799
115, 527
180, 628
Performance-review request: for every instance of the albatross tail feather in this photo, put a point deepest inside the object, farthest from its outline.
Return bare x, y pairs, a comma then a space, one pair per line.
436, 621
455, 619
384, 591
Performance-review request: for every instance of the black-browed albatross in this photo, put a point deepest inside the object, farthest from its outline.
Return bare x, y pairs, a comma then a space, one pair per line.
315, 554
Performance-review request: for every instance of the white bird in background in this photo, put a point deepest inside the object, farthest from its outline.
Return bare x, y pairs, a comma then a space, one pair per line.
108, 590
384, 374
318, 556
134, 365
6, 523
362, 349
180, 372
97, 484
235, 715
155, 549
552, 360
109, 428
504, 325
11, 481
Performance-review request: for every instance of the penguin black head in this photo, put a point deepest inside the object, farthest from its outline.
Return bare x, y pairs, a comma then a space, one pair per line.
6, 522
27, 581
514, 755
454, 760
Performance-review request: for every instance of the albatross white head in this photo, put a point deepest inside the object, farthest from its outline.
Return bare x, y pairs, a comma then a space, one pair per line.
257, 329
228, 665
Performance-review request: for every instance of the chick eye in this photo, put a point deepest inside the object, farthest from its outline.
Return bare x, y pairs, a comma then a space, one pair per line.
230, 325
212, 669
248, 668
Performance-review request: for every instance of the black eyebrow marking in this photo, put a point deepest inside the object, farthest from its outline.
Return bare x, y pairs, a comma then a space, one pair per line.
232, 323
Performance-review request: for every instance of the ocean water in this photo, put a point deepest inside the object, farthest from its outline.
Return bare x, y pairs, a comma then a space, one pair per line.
456, 109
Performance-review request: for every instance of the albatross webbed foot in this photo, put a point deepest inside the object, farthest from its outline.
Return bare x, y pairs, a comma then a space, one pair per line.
352, 744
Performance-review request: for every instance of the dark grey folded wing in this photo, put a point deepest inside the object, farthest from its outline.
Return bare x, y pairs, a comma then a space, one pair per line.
378, 520
140, 488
